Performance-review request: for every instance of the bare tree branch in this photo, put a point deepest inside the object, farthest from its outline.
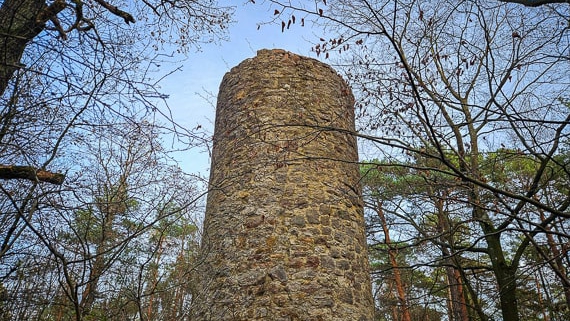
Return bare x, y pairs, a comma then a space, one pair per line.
30, 173
116, 11
535, 3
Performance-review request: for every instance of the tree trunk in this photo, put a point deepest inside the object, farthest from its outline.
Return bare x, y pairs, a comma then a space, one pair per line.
504, 273
113, 203
152, 283
20, 22
537, 279
99, 266
91, 289
457, 303
394, 263
558, 264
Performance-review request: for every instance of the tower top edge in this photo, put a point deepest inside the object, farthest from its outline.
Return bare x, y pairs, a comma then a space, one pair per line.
282, 57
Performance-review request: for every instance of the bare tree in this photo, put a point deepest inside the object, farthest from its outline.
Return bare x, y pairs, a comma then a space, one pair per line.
22, 21
80, 50
92, 241
79, 108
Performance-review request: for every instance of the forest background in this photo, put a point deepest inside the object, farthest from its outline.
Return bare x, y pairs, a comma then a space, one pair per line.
463, 117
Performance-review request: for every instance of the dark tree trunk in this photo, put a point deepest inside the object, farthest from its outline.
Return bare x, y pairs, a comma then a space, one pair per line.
505, 274
20, 22
30, 173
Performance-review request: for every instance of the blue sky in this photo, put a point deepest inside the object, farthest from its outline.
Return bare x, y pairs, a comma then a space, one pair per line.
202, 72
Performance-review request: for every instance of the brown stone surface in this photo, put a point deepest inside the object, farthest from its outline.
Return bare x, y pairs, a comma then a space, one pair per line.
284, 229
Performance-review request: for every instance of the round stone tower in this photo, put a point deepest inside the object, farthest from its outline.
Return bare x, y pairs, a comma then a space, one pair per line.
284, 229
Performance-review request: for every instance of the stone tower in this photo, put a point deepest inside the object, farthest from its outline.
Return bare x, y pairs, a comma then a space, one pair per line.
284, 229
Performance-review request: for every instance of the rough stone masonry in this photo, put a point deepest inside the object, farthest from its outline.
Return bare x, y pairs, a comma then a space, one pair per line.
284, 229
